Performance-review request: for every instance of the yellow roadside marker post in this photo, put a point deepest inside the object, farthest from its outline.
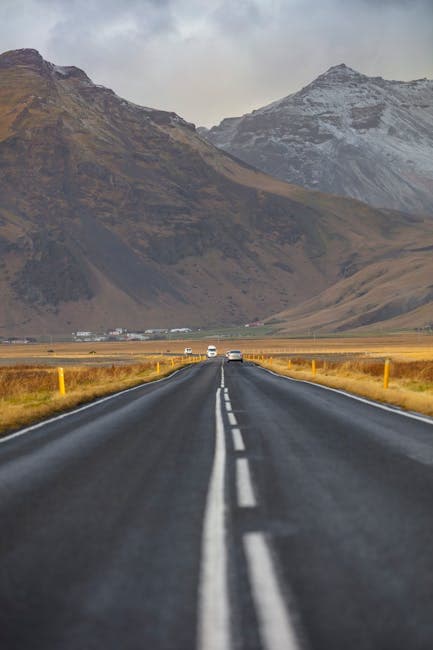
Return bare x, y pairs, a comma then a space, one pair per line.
289, 364
313, 367
172, 362
386, 374
61, 376
158, 370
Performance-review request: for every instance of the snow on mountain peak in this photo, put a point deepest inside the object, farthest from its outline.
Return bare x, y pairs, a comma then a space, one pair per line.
344, 133
340, 72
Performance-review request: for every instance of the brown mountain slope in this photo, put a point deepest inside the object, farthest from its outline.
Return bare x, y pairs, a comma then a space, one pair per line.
115, 213
394, 293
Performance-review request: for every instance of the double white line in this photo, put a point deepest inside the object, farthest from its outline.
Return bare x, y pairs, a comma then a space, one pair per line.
214, 624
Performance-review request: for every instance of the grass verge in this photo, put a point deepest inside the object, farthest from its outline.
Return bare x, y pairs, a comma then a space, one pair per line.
29, 394
410, 387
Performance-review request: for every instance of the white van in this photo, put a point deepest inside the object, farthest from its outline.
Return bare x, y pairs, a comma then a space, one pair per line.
211, 351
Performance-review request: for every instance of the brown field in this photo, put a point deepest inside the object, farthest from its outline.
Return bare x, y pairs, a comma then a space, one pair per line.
407, 346
393, 347
28, 375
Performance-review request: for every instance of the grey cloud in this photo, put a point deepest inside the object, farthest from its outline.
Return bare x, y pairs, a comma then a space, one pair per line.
222, 57
393, 3
239, 16
146, 16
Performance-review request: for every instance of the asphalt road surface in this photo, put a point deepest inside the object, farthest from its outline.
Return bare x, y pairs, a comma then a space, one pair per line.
224, 508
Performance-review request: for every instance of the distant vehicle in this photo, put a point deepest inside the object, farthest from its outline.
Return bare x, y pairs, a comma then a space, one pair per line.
211, 351
187, 351
234, 355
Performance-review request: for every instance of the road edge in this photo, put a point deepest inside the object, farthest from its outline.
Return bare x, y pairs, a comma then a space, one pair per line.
380, 405
99, 400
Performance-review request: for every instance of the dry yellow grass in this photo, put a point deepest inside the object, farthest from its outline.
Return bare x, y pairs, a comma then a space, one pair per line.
30, 393
410, 387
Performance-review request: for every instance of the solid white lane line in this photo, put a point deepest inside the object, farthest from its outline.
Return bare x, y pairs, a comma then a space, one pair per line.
228, 406
232, 419
276, 629
244, 484
222, 376
238, 441
383, 407
214, 616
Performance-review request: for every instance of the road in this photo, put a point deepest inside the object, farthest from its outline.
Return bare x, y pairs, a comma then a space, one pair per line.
224, 508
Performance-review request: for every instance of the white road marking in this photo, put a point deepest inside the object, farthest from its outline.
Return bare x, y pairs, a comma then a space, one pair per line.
222, 376
238, 441
227, 397
226, 390
232, 419
276, 629
214, 615
413, 416
21, 432
228, 406
244, 485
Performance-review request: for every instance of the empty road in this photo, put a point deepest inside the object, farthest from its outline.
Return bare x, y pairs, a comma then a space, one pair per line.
224, 508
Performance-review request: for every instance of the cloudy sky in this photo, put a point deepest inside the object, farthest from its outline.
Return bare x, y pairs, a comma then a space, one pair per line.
210, 59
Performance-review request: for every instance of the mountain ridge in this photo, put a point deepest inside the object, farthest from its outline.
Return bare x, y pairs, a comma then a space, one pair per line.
344, 133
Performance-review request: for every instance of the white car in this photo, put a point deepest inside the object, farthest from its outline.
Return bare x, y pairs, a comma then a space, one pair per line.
211, 351
187, 351
234, 355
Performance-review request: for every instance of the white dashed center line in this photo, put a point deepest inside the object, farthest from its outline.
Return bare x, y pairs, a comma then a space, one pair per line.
244, 486
238, 442
232, 419
276, 629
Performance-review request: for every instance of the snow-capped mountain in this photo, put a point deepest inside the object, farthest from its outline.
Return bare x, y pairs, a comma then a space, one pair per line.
345, 133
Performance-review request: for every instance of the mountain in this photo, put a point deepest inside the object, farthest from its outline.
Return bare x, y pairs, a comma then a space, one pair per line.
116, 214
344, 133
370, 300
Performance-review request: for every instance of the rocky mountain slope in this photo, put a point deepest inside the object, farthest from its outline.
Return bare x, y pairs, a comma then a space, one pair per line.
116, 214
344, 133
